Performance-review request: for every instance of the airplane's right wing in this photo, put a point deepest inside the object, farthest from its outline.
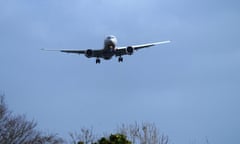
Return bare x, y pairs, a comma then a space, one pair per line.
74, 51
67, 51
87, 53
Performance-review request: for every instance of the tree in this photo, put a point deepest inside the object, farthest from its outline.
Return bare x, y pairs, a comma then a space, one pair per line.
147, 133
18, 130
86, 136
15, 129
112, 139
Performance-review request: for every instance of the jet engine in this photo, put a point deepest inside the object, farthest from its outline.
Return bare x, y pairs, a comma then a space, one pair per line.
129, 50
89, 53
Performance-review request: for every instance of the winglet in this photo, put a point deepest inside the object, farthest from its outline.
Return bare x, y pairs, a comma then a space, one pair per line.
48, 49
162, 42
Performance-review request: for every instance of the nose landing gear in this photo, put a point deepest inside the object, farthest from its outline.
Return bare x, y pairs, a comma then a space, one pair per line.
98, 61
120, 59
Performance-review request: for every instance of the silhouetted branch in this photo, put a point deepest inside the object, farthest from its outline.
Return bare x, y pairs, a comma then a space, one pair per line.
17, 130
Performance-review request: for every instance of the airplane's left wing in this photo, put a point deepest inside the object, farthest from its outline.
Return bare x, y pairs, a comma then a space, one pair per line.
129, 49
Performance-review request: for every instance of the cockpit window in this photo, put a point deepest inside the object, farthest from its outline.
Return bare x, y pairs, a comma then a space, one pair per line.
110, 37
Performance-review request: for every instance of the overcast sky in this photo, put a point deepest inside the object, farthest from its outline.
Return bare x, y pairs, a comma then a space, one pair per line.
189, 88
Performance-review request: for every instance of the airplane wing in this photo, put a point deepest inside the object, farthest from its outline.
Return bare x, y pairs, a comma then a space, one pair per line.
74, 51
126, 50
68, 51
88, 52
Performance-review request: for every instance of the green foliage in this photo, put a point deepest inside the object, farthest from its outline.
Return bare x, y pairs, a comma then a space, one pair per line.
113, 139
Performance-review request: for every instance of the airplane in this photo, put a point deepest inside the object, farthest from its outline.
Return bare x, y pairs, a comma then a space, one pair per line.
110, 49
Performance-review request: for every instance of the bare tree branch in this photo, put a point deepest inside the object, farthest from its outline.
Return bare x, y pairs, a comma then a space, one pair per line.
17, 130
85, 136
146, 133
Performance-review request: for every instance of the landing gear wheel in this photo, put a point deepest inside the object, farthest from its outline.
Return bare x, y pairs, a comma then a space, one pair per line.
98, 61
120, 59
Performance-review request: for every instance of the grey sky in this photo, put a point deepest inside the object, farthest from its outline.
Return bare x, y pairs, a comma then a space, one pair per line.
189, 88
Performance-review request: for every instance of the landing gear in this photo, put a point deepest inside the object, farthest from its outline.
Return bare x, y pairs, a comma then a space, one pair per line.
98, 61
120, 59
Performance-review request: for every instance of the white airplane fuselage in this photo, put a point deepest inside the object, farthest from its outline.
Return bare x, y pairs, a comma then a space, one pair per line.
110, 44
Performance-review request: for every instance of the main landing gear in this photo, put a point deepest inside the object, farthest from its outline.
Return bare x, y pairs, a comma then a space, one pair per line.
120, 59
98, 61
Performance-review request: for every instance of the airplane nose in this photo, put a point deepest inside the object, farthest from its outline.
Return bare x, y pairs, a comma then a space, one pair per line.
111, 42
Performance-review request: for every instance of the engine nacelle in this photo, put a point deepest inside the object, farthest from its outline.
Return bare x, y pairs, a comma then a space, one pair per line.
130, 50
89, 53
